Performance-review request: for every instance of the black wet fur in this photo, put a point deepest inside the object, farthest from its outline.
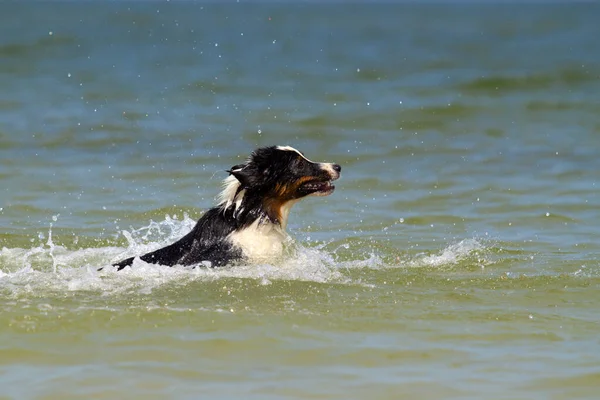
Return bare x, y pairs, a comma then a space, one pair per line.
204, 243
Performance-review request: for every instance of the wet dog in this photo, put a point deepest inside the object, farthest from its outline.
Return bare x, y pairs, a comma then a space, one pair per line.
248, 224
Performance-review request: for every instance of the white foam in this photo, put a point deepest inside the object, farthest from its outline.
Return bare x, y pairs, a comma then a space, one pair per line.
50, 268
53, 268
451, 255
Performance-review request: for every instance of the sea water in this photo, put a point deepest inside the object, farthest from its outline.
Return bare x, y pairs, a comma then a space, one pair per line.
457, 258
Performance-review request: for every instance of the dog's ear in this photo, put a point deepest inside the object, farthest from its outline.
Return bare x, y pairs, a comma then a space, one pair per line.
240, 174
236, 167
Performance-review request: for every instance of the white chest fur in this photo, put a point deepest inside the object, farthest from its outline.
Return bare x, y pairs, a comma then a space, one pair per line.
260, 242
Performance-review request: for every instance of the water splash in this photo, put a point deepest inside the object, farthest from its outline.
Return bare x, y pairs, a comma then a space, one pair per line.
467, 249
50, 244
52, 268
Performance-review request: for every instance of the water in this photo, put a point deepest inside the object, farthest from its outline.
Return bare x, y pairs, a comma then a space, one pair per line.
458, 257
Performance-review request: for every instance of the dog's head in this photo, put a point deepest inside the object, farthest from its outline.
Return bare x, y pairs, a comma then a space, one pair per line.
283, 172
279, 175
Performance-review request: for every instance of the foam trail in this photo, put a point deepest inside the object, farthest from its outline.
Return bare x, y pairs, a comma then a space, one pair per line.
51, 268
54, 268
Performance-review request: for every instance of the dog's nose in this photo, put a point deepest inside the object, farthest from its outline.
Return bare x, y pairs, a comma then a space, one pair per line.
337, 168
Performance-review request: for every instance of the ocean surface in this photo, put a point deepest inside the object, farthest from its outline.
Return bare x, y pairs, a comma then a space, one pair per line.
457, 259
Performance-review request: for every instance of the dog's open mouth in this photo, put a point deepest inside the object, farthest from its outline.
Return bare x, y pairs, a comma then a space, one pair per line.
318, 188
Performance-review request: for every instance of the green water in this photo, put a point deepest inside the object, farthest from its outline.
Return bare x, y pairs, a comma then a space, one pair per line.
457, 258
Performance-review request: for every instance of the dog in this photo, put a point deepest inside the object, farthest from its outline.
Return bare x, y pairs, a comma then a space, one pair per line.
249, 222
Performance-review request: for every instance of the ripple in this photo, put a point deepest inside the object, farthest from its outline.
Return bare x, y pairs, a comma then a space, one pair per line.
500, 84
19, 50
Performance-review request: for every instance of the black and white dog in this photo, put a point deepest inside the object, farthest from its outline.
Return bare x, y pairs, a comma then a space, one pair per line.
248, 224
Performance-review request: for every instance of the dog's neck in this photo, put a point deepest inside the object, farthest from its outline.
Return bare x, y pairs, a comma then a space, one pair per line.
245, 205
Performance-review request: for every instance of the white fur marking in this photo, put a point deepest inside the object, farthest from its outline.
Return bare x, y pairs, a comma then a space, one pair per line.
324, 166
329, 168
228, 196
261, 241
238, 202
290, 148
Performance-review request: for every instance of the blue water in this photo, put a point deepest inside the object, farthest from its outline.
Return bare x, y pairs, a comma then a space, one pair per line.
458, 257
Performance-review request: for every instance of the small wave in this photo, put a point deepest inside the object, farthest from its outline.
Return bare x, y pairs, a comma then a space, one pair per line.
18, 50
467, 253
466, 250
78, 271
503, 84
